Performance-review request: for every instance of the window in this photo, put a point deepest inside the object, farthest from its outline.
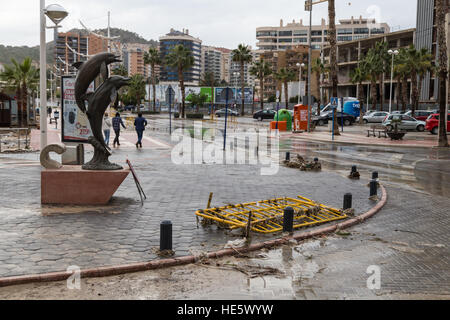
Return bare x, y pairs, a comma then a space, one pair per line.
316, 32
361, 30
316, 40
303, 40
344, 31
285, 33
284, 40
377, 30
300, 33
345, 38
407, 118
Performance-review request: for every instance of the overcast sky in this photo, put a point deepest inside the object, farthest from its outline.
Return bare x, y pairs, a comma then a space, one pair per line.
220, 23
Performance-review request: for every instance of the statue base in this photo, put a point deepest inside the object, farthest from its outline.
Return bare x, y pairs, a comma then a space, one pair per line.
74, 186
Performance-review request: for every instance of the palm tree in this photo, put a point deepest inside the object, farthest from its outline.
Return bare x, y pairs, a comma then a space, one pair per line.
443, 71
285, 76
358, 76
120, 71
411, 64
21, 77
333, 57
242, 55
153, 58
261, 69
137, 89
425, 65
319, 68
383, 64
181, 59
374, 69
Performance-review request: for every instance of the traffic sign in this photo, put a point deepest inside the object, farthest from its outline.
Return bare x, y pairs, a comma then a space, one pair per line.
335, 102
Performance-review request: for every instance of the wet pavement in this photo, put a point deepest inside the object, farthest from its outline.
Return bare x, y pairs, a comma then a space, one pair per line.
408, 240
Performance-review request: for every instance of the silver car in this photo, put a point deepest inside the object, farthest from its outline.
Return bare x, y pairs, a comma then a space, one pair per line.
407, 123
375, 117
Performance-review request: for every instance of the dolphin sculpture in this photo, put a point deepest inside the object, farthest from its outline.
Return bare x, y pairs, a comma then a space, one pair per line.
98, 103
87, 72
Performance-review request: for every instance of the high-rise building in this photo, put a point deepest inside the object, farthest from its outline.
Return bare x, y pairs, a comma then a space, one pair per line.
212, 62
426, 37
70, 48
133, 59
235, 71
287, 36
167, 43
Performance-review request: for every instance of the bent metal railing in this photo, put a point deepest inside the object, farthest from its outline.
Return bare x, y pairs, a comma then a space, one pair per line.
267, 215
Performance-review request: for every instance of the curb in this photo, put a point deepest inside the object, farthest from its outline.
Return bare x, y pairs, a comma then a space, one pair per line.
159, 264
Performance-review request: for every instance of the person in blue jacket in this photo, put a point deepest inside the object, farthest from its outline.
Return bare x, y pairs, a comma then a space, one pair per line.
116, 123
140, 123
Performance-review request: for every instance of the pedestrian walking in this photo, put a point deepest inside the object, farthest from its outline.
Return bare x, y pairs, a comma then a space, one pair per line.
49, 112
116, 123
140, 123
106, 127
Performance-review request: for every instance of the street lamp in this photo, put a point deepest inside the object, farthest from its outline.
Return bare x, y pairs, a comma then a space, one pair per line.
300, 66
56, 13
393, 54
236, 77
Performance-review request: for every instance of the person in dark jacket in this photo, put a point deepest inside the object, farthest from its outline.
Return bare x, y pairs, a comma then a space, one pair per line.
116, 123
140, 123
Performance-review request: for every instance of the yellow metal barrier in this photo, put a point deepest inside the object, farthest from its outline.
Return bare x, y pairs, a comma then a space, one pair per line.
267, 215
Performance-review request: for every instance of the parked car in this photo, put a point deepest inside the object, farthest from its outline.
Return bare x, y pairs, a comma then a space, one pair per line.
264, 114
421, 115
407, 123
326, 117
129, 108
375, 117
432, 123
221, 113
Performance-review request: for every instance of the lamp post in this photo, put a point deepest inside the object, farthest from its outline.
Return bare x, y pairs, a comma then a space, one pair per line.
56, 13
393, 54
300, 66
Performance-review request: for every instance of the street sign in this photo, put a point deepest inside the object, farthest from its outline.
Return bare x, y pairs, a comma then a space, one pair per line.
170, 94
334, 102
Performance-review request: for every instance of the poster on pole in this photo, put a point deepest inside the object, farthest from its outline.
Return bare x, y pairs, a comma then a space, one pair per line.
75, 124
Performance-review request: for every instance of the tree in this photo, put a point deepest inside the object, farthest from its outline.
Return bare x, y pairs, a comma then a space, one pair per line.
21, 77
242, 55
137, 89
358, 76
198, 100
261, 69
333, 57
319, 68
180, 59
443, 72
425, 65
285, 76
383, 64
120, 71
374, 68
153, 58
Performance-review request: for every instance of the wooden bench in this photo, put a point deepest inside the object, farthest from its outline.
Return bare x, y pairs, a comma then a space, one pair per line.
381, 130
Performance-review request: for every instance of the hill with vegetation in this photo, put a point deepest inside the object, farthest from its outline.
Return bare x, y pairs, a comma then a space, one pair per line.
21, 52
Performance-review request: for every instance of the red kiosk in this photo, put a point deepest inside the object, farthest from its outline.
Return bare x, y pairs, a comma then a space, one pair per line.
300, 118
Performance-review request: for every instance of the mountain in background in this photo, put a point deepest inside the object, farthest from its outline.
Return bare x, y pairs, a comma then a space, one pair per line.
20, 53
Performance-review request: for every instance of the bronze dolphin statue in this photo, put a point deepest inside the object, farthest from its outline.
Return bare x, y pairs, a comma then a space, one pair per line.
98, 103
87, 72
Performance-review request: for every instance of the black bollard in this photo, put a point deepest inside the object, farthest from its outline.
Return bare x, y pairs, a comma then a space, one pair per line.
288, 156
348, 197
354, 169
288, 220
375, 175
316, 159
373, 188
166, 236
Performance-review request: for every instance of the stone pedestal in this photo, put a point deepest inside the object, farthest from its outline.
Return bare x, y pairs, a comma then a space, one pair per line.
75, 186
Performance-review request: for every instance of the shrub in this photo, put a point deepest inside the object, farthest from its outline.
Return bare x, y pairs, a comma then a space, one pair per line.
176, 115
194, 116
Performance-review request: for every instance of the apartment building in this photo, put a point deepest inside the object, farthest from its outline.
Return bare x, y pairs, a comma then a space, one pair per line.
426, 37
70, 48
235, 71
170, 40
296, 33
211, 62
133, 59
350, 53
288, 59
